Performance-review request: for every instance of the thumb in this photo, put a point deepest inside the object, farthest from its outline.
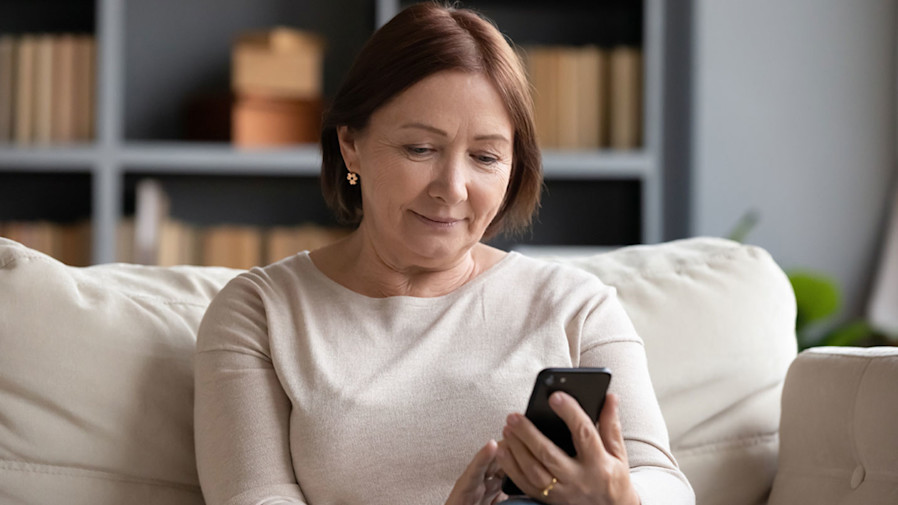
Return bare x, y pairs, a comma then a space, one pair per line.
479, 466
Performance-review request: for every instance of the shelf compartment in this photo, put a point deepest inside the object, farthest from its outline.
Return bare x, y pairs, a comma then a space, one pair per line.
48, 211
62, 197
205, 200
168, 61
565, 22
585, 213
47, 16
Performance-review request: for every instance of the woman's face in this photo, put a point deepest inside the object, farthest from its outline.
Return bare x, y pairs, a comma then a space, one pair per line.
433, 165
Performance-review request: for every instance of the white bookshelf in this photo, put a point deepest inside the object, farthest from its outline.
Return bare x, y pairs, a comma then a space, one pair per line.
119, 153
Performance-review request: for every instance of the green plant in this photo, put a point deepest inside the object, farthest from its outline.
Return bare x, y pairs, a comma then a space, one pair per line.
818, 298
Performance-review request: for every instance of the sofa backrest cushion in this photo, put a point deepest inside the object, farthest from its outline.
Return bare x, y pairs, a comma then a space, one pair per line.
96, 380
718, 321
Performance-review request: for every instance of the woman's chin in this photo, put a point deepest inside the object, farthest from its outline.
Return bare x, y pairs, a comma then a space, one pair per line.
438, 253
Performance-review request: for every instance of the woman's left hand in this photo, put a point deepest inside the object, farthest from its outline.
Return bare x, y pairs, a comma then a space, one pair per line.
598, 475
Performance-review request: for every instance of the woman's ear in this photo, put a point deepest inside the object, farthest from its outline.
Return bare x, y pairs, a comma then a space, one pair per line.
348, 147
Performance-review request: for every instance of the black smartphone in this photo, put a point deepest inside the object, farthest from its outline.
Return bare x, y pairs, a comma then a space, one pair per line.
587, 385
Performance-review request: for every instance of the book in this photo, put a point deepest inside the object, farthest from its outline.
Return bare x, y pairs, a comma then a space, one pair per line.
38, 235
570, 95
73, 245
82, 93
178, 244
43, 88
626, 97
544, 76
24, 92
232, 246
593, 98
124, 241
551, 78
567, 105
284, 241
86, 87
69, 243
7, 86
63, 125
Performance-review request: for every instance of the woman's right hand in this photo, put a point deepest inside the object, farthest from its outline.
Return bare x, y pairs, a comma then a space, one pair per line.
481, 482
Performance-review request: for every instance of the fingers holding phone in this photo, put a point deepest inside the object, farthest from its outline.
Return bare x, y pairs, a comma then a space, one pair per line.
598, 473
531, 461
602, 438
481, 482
563, 452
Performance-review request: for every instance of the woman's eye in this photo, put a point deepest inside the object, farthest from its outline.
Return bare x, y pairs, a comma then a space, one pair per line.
417, 150
486, 159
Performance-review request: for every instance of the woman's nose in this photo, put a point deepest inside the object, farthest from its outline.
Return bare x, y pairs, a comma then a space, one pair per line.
450, 180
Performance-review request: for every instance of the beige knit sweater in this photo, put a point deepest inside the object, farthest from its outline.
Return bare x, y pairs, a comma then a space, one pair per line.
307, 392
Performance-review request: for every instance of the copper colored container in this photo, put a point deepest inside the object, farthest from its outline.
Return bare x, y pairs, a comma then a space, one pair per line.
265, 121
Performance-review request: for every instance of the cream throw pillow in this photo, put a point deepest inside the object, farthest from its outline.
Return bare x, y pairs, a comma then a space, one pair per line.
718, 321
96, 380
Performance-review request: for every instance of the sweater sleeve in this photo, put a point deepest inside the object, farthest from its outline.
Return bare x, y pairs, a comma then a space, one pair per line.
608, 339
241, 411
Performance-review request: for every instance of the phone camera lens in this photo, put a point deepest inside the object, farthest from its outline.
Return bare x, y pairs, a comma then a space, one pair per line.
563, 380
550, 380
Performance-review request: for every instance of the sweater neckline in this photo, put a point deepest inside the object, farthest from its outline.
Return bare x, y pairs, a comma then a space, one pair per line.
473, 284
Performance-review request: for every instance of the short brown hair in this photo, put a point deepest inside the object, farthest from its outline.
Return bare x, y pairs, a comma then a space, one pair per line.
420, 41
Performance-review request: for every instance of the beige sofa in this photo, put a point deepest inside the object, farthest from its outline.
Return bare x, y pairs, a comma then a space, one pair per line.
96, 380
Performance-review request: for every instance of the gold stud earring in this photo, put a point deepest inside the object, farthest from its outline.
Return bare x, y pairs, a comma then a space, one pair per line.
353, 178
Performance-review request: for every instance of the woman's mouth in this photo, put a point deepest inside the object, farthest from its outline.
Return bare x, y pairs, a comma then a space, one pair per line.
437, 221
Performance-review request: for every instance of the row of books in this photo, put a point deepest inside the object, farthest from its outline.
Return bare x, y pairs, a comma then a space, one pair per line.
47, 88
153, 237
234, 246
586, 97
67, 242
177, 243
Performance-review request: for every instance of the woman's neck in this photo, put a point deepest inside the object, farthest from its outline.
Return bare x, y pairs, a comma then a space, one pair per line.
357, 265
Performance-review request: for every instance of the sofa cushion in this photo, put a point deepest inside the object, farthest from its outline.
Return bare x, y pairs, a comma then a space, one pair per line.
96, 387
849, 399
718, 321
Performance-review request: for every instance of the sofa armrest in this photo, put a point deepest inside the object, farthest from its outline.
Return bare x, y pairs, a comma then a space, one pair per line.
838, 431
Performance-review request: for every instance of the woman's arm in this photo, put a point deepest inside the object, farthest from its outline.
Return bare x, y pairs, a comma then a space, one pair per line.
626, 459
609, 339
241, 412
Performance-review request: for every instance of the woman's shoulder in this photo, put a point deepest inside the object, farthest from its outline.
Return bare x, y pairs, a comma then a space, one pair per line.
284, 270
552, 278
552, 269
249, 300
266, 283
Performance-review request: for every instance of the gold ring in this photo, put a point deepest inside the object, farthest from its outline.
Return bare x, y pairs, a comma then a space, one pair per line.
550, 486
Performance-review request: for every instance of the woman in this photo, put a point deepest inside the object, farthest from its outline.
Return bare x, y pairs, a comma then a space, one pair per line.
380, 369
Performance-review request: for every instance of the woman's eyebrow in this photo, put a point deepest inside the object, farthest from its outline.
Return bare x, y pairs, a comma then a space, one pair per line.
433, 129
425, 127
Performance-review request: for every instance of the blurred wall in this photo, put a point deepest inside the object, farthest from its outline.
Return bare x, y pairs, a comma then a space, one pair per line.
793, 114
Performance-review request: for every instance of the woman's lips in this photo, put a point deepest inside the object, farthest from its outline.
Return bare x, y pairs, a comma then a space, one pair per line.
439, 221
